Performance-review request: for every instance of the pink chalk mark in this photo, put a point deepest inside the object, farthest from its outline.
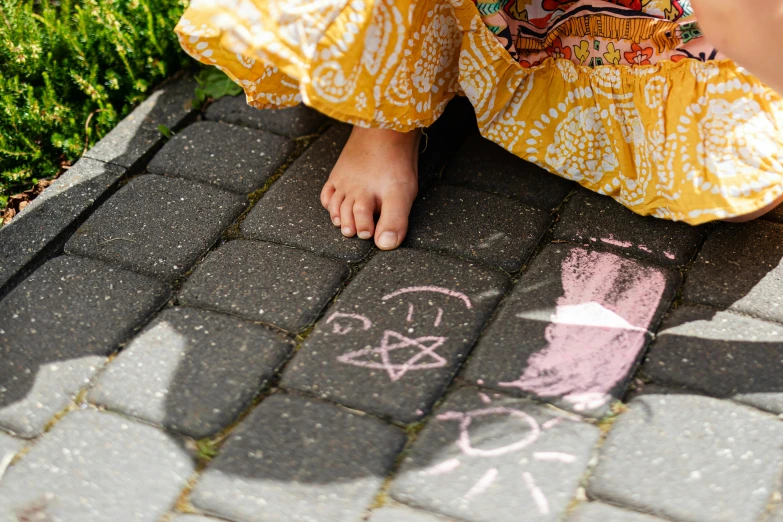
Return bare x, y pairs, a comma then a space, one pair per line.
480, 382
485, 398
482, 484
597, 331
465, 419
440, 316
397, 370
538, 496
553, 455
410, 312
645, 249
551, 423
451, 293
669, 255
612, 241
443, 467
340, 330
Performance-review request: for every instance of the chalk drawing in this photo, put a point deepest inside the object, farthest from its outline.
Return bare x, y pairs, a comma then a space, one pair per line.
553, 455
538, 496
340, 330
424, 357
482, 484
440, 316
597, 331
445, 291
612, 241
410, 313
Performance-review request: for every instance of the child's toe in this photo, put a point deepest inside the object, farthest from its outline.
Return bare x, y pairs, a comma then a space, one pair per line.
334, 207
326, 194
363, 210
393, 223
347, 225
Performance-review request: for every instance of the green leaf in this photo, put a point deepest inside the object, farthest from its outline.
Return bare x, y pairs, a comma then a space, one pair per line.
165, 131
216, 84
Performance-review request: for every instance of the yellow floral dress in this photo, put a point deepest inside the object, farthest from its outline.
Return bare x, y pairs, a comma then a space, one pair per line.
625, 96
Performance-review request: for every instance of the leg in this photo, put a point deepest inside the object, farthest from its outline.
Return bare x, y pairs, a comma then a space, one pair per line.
377, 173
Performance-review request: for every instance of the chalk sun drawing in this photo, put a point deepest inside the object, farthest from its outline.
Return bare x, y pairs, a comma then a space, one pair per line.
471, 449
344, 330
423, 358
597, 331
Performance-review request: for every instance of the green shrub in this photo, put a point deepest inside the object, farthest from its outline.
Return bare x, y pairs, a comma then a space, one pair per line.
70, 70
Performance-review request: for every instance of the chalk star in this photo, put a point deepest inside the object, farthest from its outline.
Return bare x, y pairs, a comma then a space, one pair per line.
392, 341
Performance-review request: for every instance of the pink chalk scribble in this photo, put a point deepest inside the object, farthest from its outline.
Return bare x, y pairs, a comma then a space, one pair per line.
644, 249
482, 484
410, 313
484, 398
465, 419
339, 330
440, 316
554, 455
612, 241
443, 467
424, 348
669, 255
597, 331
437, 289
538, 496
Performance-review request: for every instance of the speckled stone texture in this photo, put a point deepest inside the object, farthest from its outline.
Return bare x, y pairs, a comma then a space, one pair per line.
192, 371
293, 121
57, 327
488, 458
299, 459
95, 467
720, 353
157, 226
572, 296
231, 157
283, 286
9, 446
691, 459
597, 512
477, 226
740, 269
404, 514
397, 334
591, 218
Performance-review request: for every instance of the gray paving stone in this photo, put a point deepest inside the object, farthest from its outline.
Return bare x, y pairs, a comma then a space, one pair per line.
483, 165
291, 213
404, 514
597, 512
94, 467
740, 269
593, 218
42, 228
491, 229
157, 226
292, 122
192, 371
490, 458
8, 446
231, 157
193, 518
265, 282
777, 515
397, 334
298, 460
720, 353
571, 296
691, 459
131, 143
56, 328
775, 215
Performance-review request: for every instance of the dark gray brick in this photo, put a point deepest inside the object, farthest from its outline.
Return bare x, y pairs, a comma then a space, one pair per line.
265, 282
157, 226
722, 354
404, 514
739, 269
489, 458
298, 460
572, 296
94, 467
292, 122
192, 371
57, 327
397, 334
491, 229
596, 219
483, 165
42, 228
597, 512
231, 157
691, 459
291, 212
131, 143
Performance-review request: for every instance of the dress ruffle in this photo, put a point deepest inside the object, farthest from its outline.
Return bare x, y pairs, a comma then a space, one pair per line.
687, 140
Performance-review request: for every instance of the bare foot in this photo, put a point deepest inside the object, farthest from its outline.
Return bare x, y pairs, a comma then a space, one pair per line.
377, 173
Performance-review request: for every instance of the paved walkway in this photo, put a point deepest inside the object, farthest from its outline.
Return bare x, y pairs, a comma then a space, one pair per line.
184, 337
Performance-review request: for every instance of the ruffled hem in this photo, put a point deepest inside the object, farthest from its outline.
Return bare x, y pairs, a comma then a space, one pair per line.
691, 141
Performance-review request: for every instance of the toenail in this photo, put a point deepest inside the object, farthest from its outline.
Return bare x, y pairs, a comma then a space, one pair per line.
346, 230
364, 235
387, 240
336, 221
